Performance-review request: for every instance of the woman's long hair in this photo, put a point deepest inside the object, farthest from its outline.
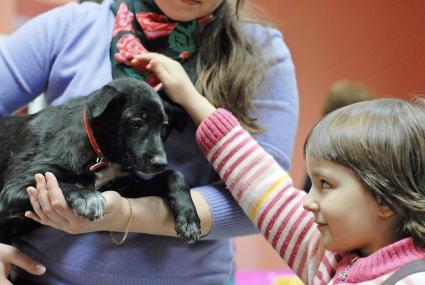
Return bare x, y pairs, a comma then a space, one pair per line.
230, 67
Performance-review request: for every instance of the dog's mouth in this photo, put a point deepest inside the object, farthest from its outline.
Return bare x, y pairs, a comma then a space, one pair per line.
144, 167
147, 176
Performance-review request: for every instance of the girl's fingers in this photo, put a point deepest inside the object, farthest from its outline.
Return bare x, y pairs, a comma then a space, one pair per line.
149, 57
146, 57
160, 71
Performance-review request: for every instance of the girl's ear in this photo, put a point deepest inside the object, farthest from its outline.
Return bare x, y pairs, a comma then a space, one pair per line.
385, 211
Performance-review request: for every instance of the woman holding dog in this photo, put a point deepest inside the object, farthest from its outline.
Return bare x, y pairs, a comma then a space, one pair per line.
73, 50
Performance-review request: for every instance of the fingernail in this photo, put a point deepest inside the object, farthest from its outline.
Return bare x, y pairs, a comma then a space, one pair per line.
40, 268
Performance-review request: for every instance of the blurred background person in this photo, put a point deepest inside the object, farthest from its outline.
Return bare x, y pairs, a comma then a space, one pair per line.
342, 93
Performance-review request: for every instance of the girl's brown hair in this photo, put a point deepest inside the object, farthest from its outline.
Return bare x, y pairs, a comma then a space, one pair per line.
230, 67
383, 143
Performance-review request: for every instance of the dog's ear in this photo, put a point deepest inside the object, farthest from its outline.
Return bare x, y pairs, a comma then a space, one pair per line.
101, 100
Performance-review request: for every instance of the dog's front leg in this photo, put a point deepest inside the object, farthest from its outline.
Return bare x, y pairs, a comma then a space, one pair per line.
187, 223
175, 188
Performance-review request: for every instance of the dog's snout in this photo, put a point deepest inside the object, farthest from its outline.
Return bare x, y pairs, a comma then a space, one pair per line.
158, 163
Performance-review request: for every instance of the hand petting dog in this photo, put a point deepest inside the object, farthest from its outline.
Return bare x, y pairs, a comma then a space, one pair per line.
176, 84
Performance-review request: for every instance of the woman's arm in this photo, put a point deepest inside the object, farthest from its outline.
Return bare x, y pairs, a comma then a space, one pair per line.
151, 215
27, 56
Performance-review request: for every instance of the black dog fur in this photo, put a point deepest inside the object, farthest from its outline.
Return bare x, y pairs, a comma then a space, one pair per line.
129, 121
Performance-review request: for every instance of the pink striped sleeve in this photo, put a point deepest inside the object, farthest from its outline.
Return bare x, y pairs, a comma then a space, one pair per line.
264, 190
212, 129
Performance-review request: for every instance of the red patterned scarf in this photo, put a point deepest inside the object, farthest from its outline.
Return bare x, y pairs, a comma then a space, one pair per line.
140, 26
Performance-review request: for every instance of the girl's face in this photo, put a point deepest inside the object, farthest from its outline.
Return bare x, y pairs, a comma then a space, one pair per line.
187, 10
347, 215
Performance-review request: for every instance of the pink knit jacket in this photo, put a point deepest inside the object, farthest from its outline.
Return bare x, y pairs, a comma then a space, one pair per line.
265, 191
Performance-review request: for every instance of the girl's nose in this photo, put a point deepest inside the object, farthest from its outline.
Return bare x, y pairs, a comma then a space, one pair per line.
310, 204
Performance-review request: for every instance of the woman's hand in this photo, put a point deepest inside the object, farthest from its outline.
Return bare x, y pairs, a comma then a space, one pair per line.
176, 84
51, 209
11, 256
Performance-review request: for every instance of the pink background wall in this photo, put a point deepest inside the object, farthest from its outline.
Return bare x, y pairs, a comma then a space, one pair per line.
380, 43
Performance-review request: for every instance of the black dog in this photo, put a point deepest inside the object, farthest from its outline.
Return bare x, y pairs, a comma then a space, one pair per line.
118, 129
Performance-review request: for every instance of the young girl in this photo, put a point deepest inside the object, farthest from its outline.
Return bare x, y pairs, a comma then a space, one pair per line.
364, 217
75, 49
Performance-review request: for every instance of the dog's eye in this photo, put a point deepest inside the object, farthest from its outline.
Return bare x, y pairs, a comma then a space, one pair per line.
137, 122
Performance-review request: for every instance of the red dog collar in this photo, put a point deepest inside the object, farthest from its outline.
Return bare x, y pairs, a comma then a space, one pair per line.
101, 161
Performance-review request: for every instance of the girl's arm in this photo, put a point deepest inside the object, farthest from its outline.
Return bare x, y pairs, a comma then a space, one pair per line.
265, 192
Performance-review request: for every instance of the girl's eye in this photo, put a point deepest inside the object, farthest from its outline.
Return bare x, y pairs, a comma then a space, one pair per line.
325, 185
137, 122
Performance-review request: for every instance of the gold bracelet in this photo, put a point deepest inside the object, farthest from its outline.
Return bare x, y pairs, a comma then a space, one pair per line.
127, 228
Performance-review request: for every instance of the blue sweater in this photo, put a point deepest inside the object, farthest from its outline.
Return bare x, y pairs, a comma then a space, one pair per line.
65, 53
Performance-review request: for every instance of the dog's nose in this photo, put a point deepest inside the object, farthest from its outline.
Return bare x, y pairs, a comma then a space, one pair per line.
158, 163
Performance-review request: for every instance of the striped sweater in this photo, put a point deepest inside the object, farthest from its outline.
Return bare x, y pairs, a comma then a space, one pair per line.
265, 192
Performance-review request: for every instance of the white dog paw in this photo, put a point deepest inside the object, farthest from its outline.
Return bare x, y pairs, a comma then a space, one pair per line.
87, 204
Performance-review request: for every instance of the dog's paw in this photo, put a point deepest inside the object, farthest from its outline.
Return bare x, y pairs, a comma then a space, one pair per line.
188, 229
87, 204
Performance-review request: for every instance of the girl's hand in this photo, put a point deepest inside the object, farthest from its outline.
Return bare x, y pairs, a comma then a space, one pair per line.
51, 209
174, 78
176, 84
10, 256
